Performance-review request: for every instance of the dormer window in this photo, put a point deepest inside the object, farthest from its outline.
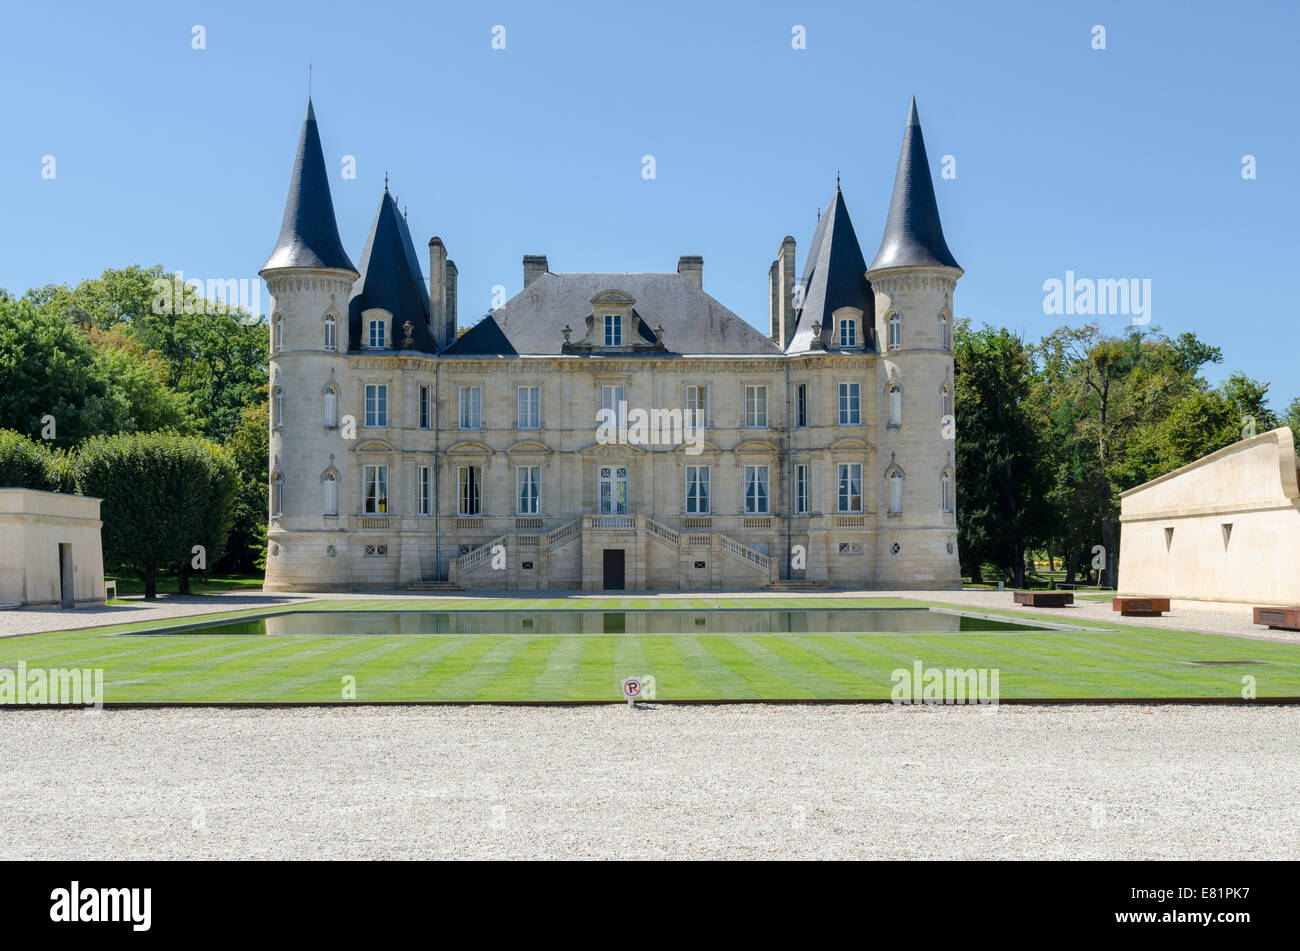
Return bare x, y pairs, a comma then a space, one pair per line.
377, 337
613, 330
848, 333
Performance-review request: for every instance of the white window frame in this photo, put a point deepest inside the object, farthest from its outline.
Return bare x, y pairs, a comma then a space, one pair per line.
613, 330
330, 494
756, 406
894, 396
469, 407
945, 492
277, 333
895, 493
613, 396
697, 403
424, 491
801, 402
377, 334
848, 333
331, 333
374, 490
850, 404
945, 332
277, 407
699, 491
801, 490
758, 490
895, 331
528, 407
611, 504
376, 405
277, 495
330, 405
850, 478
528, 490
469, 491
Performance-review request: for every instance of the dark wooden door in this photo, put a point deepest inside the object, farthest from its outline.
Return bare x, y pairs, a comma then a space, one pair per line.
613, 569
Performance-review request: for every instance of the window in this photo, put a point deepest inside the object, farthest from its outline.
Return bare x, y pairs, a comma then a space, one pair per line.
895, 405
850, 497
801, 490
613, 330
528, 480
530, 407
697, 407
895, 492
895, 331
377, 404
945, 401
469, 491
277, 333
756, 490
848, 333
277, 407
697, 490
331, 406
471, 407
374, 490
426, 407
612, 490
376, 335
330, 486
850, 404
945, 490
756, 407
277, 494
425, 490
801, 405
945, 332
614, 400
331, 332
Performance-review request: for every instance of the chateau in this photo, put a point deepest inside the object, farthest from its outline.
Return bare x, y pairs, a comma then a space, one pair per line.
403, 454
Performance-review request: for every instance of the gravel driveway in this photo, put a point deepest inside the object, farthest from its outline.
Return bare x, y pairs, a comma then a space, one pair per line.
743, 781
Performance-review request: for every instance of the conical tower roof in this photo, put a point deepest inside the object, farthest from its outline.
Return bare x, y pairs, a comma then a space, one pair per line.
391, 279
834, 275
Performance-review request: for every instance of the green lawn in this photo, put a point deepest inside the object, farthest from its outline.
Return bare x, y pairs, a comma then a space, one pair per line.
1111, 663
170, 584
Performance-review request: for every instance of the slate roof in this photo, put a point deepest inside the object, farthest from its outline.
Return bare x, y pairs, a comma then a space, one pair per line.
531, 321
391, 279
309, 235
913, 234
834, 276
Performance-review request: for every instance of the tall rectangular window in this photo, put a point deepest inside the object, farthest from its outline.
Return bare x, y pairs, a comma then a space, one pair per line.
697, 407
850, 404
529, 399
331, 333
801, 490
614, 400
469, 490
756, 407
374, 490
377, 404
848, 333
756, 500
850, 493
471, 407
376, 335
613, 330
426, 407
528, 482
697, 490
426, 490
801, 405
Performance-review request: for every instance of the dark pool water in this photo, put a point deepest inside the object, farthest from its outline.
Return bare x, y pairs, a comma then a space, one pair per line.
545, 623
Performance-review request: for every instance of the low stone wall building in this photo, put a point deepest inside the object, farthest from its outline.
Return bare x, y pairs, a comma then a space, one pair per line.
51, 554
1224, 528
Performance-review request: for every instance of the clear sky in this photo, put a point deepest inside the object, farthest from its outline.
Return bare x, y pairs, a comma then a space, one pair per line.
1116, 163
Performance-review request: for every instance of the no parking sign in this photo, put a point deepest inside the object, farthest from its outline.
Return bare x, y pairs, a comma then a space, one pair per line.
632, 690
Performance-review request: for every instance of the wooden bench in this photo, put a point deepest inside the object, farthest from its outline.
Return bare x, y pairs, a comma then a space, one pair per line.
1044, 599
1278, 619
1140, 607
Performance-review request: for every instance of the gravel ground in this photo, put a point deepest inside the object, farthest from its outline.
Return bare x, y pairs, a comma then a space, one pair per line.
744, 781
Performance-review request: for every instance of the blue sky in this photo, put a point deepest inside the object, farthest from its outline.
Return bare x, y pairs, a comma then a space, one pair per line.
1122, 163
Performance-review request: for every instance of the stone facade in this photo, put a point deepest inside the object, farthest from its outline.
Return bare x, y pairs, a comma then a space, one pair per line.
51, 556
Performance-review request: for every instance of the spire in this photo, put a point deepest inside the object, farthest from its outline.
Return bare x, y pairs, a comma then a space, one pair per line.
391, 278
913, 233
834, 275
309, 235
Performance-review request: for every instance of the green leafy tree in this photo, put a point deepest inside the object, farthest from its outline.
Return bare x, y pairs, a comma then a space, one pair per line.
26, 464
163, 494
249, 446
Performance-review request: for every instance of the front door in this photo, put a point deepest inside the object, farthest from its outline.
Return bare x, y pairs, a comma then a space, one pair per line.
67, 595
614, 569
612, 490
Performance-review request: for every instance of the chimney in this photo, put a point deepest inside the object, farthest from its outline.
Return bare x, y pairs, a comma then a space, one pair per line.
534, 267
451, 304
785, 291
437, 291
691, 267
773, 306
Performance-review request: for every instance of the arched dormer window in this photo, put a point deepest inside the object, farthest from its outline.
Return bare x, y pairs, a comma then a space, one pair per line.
376, 338
277, 407
331, 332
277, 494
895, 405
895, 490
945, 491
895, 331
331, 405
330, 493
945, 332
277, 332
848, 333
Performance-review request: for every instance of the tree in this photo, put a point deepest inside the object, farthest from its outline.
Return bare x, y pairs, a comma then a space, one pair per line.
25, 464
163, 494
249, 446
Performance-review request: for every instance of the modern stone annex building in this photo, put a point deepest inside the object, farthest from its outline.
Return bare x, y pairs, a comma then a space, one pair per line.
518, 454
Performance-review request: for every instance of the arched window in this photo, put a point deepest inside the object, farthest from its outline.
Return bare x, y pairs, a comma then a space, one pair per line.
945, 401
945, 332
945, 493
331, 492
331, 406
896, 492
331, 332
895, 405
277, 332
277, 494
277, 407
895, 331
